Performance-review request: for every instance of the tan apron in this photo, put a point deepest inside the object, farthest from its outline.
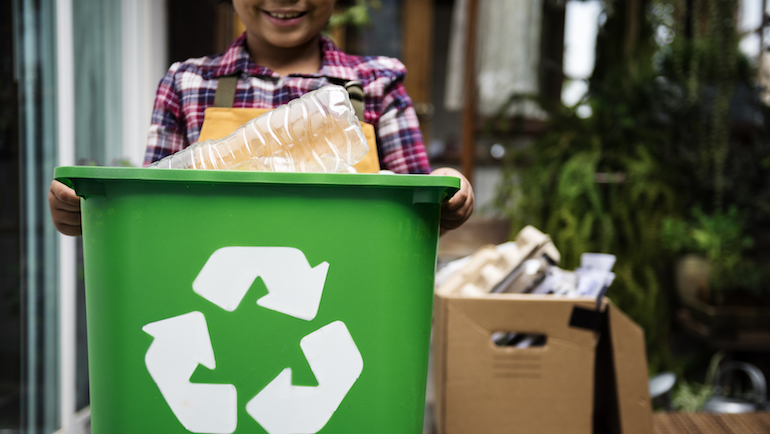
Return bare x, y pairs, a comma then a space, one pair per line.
222, 119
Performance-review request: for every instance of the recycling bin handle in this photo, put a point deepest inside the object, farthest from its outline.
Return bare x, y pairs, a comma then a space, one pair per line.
84, 189
432, 195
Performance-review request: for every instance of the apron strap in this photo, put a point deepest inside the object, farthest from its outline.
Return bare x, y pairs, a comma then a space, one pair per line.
356, 94
225, 93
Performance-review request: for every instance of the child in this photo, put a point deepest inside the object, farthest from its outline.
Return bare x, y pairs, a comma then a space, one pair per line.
281, 56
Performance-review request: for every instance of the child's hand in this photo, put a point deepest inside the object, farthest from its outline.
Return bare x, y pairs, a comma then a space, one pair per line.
65, 209
459, 208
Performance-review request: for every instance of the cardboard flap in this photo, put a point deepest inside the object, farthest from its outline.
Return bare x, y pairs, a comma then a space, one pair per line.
631, 381
527, 313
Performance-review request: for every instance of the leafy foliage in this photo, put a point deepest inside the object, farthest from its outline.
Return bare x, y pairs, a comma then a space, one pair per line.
557, 186
598, 183
691, 397
356, 14
718, 125
664, 136
721, 238
717, 236
719, 130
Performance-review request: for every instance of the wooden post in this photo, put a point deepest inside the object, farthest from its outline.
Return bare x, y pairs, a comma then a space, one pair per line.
468, 154
417, 48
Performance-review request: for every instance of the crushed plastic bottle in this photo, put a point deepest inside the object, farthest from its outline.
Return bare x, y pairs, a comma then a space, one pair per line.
318, 132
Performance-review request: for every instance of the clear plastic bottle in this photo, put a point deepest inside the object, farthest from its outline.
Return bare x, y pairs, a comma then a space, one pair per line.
318, 132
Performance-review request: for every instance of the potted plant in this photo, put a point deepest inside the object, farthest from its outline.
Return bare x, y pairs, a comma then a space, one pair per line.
718, 280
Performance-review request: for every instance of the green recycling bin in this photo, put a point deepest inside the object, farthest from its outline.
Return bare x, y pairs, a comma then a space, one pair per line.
247, 302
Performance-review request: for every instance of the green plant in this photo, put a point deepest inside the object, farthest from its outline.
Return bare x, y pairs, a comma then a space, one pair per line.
705, 66
122, 162
718, 124
722, 239
663, 137
718, 236
595, 192
356, 14
600, 183
718, 144
691, 397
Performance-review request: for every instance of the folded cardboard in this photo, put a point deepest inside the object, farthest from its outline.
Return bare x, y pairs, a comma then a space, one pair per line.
498, 268
589, 375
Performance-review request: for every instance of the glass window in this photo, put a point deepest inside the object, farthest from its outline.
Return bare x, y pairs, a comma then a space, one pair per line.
98, 87
35, 77
36, 384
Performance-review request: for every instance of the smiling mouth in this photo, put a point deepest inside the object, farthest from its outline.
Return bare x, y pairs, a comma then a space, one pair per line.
285, 16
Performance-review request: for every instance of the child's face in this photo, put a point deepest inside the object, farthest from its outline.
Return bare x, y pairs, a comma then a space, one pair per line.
284, 23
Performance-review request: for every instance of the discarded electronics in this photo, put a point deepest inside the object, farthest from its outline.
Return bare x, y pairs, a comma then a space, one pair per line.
524, 346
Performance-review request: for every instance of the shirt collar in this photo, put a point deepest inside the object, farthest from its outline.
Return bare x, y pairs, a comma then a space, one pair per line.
334, 62
236, 59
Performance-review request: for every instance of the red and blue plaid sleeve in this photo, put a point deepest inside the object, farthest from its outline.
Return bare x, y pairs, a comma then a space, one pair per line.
399, 135
167, 130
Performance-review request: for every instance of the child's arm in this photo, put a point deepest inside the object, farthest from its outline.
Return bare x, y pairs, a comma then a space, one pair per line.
403, 151
167, 130
65, 209
399, 138
459, 207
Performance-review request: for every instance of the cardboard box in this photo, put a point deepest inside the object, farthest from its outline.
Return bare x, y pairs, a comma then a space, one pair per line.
590, 376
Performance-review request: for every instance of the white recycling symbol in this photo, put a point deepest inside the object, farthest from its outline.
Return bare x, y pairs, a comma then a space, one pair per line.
183, 342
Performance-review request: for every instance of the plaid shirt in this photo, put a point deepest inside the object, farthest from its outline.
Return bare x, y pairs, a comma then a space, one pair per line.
188, 89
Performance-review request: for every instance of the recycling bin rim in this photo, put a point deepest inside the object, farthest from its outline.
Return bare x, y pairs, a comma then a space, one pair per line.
67, 174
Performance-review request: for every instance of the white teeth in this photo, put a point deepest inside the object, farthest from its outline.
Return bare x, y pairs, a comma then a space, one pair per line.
284, 16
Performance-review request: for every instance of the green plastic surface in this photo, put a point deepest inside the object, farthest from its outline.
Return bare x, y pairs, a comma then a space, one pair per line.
148, 232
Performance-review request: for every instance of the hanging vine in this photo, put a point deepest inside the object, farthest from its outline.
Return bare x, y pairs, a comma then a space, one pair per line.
705, 59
